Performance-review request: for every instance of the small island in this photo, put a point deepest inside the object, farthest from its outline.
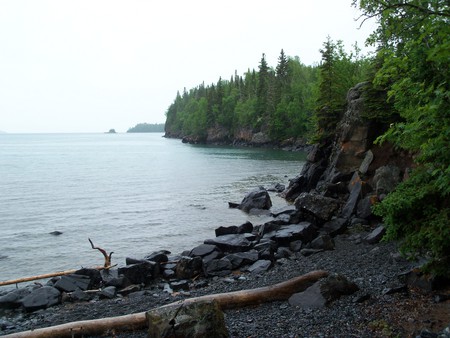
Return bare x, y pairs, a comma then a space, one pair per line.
111, 131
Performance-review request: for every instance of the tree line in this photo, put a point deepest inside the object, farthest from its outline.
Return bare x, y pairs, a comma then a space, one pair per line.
281, 101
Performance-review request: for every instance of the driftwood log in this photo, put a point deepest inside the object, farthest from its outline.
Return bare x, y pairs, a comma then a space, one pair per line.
137, 321
106, 265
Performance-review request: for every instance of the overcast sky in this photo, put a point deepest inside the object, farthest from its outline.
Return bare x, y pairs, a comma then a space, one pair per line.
89, 66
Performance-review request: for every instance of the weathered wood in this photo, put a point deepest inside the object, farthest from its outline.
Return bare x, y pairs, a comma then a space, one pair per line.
137, 321
32, 278
104, 253
107, 265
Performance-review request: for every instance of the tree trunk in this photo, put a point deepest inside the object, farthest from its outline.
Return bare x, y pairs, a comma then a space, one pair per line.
137, 321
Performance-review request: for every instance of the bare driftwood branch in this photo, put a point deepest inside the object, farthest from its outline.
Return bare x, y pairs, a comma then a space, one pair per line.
137, 321
104, 253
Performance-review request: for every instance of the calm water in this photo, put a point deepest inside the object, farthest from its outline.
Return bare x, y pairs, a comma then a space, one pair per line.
130, 193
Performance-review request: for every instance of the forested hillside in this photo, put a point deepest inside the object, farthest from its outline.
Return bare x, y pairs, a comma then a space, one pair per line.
280, 102
407, 96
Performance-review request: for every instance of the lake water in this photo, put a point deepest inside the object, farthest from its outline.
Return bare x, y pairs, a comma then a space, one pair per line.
130, 193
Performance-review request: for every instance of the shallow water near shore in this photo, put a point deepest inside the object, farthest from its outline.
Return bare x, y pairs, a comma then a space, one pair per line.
130, 193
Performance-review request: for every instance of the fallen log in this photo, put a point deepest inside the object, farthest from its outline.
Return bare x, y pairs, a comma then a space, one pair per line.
137, 321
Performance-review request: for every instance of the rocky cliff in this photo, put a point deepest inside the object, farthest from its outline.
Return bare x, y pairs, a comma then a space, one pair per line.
353, 171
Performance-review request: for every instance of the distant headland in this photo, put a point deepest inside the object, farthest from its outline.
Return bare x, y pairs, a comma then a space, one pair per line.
147, 128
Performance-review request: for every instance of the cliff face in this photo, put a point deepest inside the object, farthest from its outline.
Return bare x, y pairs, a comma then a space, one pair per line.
352, 162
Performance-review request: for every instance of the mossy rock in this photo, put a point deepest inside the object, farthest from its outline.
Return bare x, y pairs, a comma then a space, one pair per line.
195, 320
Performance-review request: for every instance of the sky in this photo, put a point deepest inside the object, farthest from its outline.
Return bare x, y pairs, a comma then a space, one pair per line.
94, 65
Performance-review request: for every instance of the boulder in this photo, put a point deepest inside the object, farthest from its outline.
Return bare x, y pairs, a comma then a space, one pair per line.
260, 266
368, 158
158, 256
93, 274
180, 285
335, 227
296, 246
256, 199
108, 293
355, 188
218, 267
139, 273
304, 231
242, 258
73, 282
231, 243
203, 250
196, 320
323, 292
278, 187
268, 227
322, 242
189, 267
80, 296
322, 208
386, 179
266, 249
41, 298
213, 255
376, 235
11, 300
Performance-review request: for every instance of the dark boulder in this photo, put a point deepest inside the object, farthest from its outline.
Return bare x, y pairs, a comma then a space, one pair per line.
260, 266
355, 187
231, 243
41, 298
73, 282
247, 227
322, 242
203, 250
268, 227
335, 227
277, 187
180, 285
200, 319
266, 249
230, 230
80, 296
242, 258
304, 231
158, 256
256, 199
93, 274
322, 208
323, 292
386, 179
12, 299
189, 267
376, 235
139, 273
218, 267
108, 293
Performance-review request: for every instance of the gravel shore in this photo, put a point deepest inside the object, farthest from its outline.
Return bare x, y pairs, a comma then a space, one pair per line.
371, 312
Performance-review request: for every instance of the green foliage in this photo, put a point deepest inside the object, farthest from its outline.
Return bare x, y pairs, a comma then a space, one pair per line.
414, 39
417, 213
147, 128
282, 102
338, 72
